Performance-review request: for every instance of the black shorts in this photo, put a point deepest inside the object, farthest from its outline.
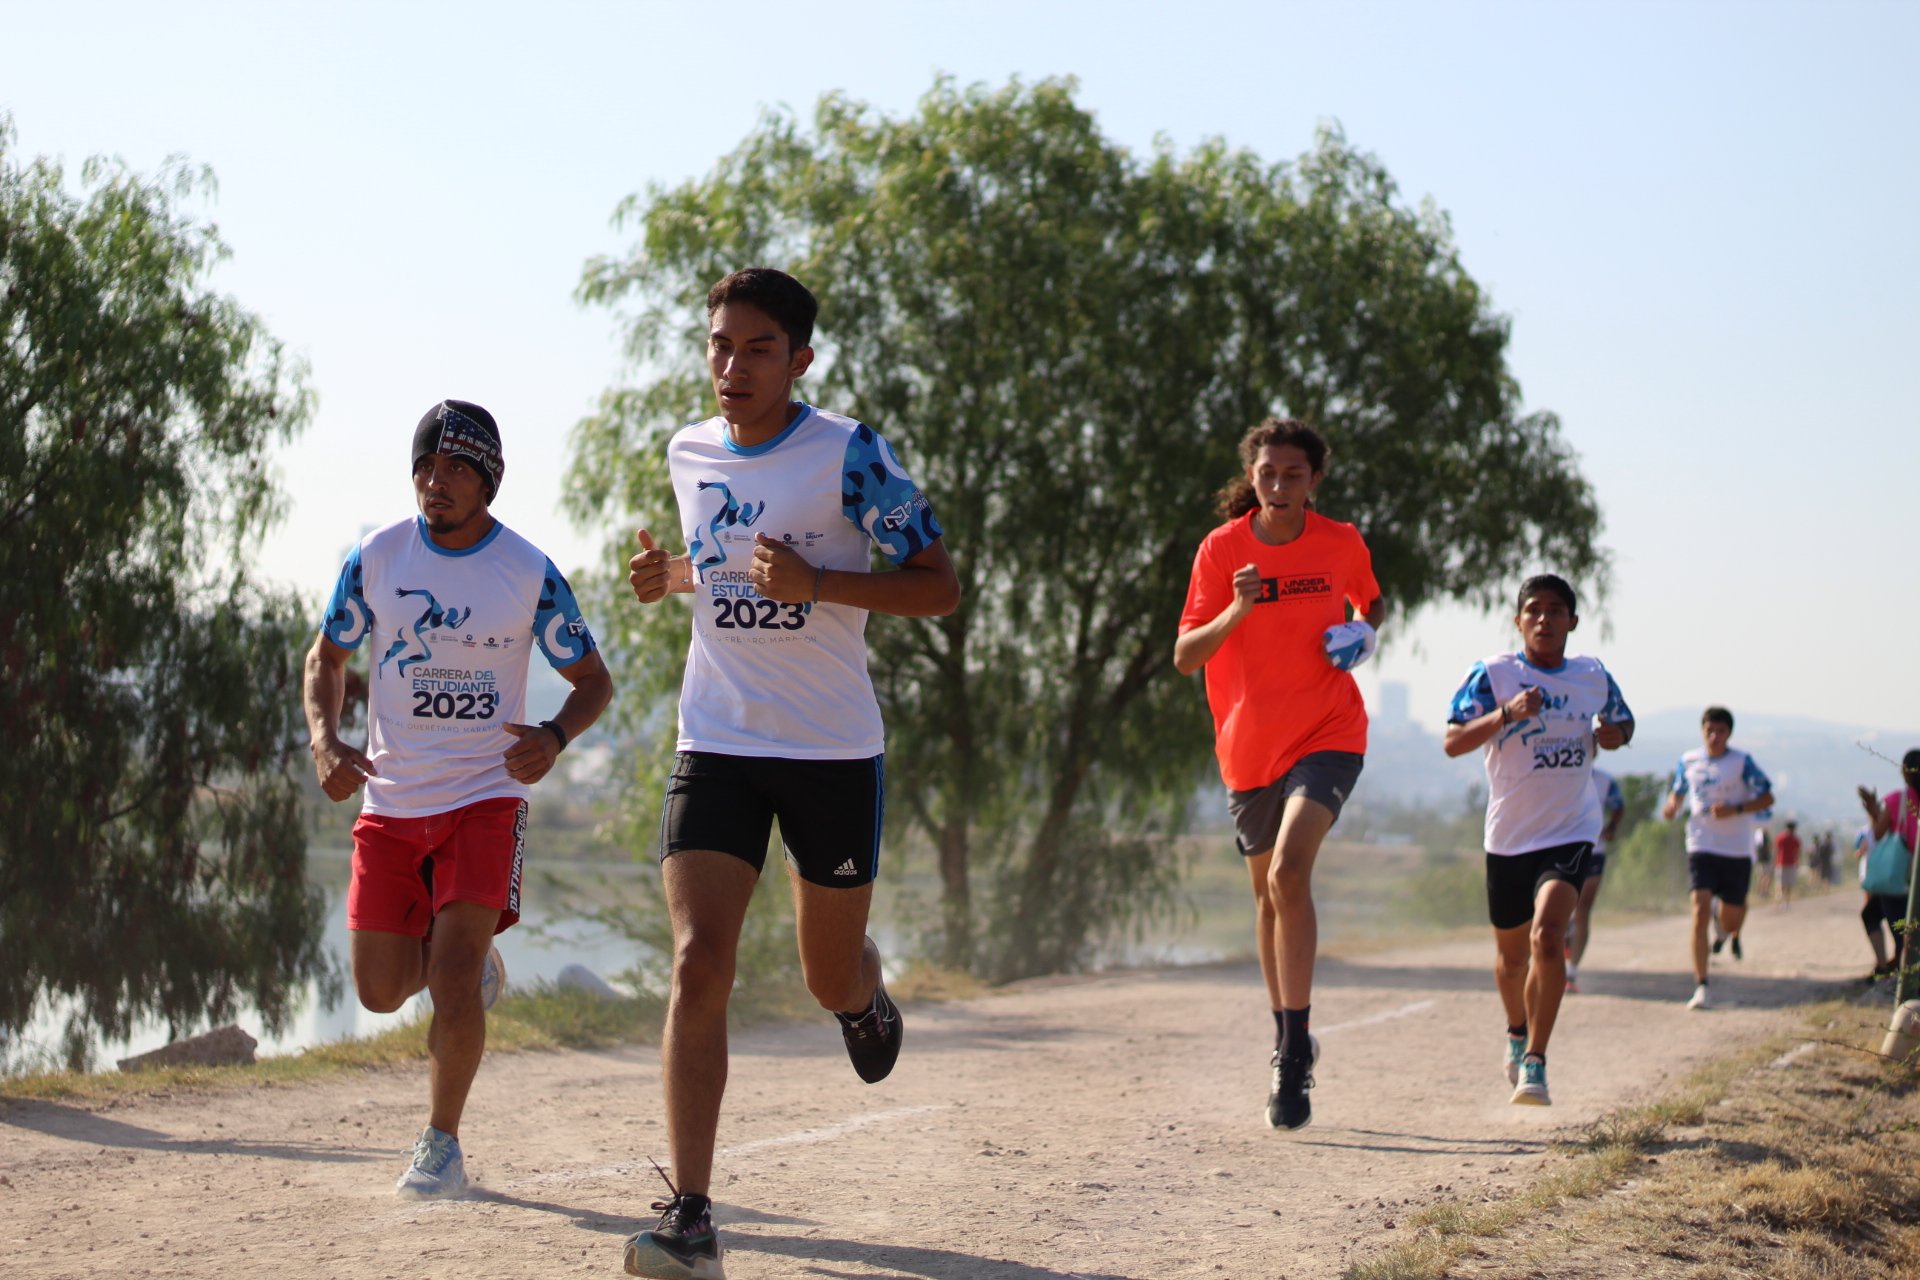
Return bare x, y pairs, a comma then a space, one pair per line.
830, 812
1514, 879
1596, 864
1725, 875
1324, 777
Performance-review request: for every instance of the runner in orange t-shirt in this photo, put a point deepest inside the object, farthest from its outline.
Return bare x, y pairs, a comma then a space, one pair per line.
1266, 615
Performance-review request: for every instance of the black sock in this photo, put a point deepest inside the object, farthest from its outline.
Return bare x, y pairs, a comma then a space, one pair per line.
1519, 1032
1279, 1028
692, 1206
1293, 1033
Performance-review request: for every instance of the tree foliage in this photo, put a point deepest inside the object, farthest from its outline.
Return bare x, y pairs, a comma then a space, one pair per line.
1065, 341
151, 848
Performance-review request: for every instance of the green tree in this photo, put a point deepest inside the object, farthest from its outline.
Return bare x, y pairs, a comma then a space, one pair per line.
151, 848
1065, 341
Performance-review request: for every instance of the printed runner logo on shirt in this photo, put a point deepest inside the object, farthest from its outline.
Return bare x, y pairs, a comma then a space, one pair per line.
732, 512
411, 646
1298, 586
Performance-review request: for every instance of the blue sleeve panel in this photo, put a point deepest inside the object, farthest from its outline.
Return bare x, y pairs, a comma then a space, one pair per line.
1475, 697
880, 498
558, 626
348, 619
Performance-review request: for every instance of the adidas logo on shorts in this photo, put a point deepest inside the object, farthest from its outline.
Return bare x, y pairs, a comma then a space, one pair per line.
846, 869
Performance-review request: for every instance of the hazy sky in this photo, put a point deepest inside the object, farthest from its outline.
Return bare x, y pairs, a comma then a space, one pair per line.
1700, 218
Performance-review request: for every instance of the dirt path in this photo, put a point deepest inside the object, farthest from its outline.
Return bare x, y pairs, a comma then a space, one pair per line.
1099, 1128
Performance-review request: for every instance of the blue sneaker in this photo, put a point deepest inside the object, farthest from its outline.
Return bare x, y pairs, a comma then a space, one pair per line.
1532, 1089
438, 1171
1516, 1054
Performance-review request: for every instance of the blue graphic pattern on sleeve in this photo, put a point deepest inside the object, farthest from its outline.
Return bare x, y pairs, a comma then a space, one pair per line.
1751, 775
348, 619
1680, 778
1616, 709
880, 498
558, 627
1475, 698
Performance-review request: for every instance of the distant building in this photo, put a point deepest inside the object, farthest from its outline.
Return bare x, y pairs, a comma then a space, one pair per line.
1393, 704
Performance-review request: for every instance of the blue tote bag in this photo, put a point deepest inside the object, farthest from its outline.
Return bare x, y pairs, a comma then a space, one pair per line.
1887, 862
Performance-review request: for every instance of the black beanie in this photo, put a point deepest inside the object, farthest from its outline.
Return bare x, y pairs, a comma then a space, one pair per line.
460, 428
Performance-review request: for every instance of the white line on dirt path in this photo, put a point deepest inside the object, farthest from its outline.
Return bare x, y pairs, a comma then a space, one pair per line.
829, 1132
1418, 1006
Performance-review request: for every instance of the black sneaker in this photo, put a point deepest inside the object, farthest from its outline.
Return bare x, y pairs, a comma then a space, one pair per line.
1288, 1106
683, 1247
1718, 943
1736, 948
873, 1038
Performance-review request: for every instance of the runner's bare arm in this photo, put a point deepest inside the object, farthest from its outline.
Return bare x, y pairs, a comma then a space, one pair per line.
1759, 804
1198, 644
924, 586
536, 746
323, 691
1475, 733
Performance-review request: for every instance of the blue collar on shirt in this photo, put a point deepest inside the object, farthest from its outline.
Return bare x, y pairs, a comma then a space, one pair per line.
420, 523
1545, 671
755, 450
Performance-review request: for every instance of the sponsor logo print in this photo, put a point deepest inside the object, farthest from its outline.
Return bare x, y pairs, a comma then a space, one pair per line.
846, 869
1297, 586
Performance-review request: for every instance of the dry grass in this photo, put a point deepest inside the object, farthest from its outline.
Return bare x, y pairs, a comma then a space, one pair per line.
1788, 1169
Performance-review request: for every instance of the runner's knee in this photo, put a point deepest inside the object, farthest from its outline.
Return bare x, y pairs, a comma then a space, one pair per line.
702, 970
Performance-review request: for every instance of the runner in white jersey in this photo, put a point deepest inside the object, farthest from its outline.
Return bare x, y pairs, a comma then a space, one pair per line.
454, 603
1720, 786
1537, 717
1612, 806
781, 506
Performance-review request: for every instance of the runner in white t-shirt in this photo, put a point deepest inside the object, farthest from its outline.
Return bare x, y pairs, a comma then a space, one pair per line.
1612, 806
781, 505
455, 603
1537, 716
1720, 787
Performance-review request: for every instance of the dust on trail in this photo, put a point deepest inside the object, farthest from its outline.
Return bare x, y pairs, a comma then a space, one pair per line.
1099, 1128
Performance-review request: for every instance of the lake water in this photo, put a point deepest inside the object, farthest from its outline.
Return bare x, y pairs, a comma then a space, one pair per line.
1353, 890
549, 937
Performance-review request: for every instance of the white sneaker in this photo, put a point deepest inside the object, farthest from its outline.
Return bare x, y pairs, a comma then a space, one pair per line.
1532, 1089
493, 977
1516, 1054
438, 1171
1701, 1000
1573, 981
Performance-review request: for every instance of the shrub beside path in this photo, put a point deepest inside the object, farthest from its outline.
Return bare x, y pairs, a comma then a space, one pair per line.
1103, 1128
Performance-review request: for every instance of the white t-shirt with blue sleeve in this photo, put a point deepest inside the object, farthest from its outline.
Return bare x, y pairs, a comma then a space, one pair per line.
770, 679
452, 633
1540, 789
1702, 781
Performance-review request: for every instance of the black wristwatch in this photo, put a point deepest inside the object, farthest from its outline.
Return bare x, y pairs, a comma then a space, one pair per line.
558, 732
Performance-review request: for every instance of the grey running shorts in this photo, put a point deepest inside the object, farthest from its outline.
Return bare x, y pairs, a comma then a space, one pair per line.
1324, 777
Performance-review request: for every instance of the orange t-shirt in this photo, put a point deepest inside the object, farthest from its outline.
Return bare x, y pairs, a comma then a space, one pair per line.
1275, 697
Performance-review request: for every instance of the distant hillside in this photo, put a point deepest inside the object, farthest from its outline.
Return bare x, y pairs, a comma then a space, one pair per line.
1815, 764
